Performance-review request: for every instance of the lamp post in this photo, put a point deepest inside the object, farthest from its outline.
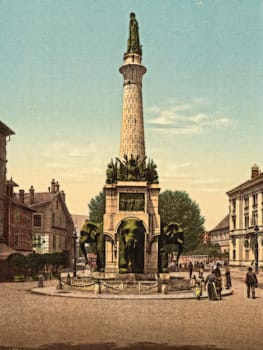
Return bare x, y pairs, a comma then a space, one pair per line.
74, 237
256, 229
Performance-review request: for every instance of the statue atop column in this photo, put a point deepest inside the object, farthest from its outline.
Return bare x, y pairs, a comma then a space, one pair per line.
134, 41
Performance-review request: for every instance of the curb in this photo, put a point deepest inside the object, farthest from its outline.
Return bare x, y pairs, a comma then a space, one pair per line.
158, 296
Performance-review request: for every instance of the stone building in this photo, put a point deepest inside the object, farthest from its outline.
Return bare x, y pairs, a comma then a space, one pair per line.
220, 235
5, 132
52, 223
246, 214
18, 220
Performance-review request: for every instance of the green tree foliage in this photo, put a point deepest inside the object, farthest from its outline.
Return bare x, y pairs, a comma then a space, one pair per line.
211, 249
97, 208
34, 262
57, 259
17, 261
177, 206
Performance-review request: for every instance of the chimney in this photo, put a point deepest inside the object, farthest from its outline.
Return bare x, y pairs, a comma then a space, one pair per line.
31, 195
63, 195
22, 196
57, 187
53, 186
254, 171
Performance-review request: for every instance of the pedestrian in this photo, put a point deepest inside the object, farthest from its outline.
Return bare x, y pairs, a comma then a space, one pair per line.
228, 277
190, 269
211, 288
201, 270
218, 280
251, 282
198, 287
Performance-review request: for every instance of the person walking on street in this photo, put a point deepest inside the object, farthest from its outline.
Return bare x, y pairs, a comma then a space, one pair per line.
190, 269
218, 280
201, 270
251, 282
228, 277
211, 288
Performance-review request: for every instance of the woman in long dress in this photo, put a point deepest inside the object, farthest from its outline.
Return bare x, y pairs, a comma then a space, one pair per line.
211, 288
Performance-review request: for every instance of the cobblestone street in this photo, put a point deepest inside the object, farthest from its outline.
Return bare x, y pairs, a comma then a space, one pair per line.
45, 322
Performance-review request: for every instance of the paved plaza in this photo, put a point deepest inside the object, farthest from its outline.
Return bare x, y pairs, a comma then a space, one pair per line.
31, 321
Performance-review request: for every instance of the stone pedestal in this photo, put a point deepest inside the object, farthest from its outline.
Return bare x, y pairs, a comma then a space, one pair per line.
136, 200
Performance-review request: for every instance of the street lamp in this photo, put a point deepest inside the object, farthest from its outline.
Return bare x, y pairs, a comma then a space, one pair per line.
74, 237
256, 229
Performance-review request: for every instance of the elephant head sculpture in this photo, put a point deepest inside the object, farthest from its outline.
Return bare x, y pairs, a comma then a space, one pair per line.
131, 235
93, 233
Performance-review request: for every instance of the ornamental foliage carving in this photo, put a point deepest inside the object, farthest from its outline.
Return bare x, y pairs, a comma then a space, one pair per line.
132, 169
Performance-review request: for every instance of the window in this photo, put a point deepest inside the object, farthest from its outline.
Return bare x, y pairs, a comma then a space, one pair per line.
233, 204
54, 242
234, 254
234, 222
255, 200
246, 254
254, 220
37, 220
246, 203
53, 219
246, 220
17, 215
16, 240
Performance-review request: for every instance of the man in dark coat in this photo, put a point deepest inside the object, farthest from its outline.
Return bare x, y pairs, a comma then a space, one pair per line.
251, 282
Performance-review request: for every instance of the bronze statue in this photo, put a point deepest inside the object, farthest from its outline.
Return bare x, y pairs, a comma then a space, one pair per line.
93, 233
172, 236
134, 41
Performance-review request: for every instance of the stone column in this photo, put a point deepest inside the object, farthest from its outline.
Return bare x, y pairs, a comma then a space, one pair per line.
132, 130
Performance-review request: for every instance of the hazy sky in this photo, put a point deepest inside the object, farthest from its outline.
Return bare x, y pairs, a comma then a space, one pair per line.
61, 92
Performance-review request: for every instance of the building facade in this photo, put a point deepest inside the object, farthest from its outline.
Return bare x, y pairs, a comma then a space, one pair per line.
52, 223
246, 221
5, 132
18, 220
220, 235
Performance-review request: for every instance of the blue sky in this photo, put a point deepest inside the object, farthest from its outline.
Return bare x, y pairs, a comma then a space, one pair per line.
61, 93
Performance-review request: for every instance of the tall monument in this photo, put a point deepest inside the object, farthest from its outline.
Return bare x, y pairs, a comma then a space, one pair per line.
131, 222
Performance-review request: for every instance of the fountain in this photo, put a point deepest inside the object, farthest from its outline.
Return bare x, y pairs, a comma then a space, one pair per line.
131, 247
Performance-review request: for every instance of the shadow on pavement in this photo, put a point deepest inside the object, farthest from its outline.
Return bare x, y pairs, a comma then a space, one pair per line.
113, 346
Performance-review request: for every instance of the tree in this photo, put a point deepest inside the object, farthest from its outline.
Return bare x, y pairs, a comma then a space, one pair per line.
17, 261
177, 206
211, 249
97, 208
57, 259
34, 262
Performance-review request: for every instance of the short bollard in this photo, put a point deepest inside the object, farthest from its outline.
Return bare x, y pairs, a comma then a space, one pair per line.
164, 288
40, 281
97, 288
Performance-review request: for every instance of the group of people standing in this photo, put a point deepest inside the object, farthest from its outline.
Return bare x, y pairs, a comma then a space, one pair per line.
214, 279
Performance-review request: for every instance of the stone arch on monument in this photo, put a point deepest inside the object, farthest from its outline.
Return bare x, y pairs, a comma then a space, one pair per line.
131, 236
